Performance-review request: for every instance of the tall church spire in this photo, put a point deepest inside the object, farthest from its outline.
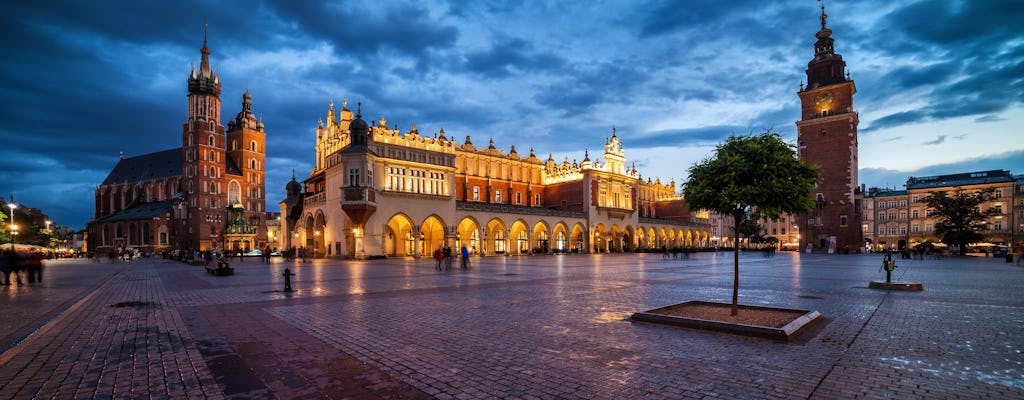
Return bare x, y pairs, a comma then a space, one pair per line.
205, 82
204, 65
827, 67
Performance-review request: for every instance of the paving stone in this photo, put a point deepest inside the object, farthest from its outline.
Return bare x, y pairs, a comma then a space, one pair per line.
514, 327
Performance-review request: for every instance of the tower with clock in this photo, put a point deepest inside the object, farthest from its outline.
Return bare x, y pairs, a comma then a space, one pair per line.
827, 138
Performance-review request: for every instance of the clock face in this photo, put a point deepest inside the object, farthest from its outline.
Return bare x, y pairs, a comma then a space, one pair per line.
823, 99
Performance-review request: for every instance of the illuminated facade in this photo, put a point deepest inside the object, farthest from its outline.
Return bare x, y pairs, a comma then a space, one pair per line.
896, 218
827, 138
375, 191
207, 194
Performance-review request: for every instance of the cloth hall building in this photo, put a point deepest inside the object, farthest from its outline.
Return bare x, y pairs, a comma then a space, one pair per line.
377, 192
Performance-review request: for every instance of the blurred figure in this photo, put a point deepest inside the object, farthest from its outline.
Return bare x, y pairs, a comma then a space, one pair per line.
10, 261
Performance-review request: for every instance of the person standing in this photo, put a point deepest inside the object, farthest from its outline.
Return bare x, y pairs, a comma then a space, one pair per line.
437, 257
465, 257
447, 252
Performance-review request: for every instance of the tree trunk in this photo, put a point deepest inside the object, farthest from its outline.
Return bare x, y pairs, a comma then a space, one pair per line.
735, 266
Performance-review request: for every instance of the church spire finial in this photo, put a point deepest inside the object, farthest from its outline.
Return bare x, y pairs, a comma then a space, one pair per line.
823, 15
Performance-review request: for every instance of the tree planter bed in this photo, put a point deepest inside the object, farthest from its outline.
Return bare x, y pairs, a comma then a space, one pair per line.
765, 322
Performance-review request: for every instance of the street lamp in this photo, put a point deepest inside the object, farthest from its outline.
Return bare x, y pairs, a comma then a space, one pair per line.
14, 228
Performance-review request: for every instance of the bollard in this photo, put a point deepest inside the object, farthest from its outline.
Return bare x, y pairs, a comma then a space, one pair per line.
287, 280
889, 265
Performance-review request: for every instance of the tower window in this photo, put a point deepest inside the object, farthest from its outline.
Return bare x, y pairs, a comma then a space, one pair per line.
252, 146
353, 177
476, 193
211, 140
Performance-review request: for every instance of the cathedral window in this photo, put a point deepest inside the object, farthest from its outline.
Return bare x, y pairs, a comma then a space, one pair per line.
234, 145
536, 199
211, 140
234, 193
252, 146
252, 164
497, 196
519, 198
476, 193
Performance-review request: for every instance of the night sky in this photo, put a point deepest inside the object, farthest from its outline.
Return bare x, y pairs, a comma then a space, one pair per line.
940, 83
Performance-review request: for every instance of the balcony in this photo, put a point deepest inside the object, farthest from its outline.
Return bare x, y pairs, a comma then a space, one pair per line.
316, 199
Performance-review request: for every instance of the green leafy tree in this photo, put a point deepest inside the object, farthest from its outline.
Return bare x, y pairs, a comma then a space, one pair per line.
5, 234
960, 215
750, 177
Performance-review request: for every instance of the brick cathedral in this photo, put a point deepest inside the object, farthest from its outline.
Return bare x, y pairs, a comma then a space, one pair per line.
827, 138
208, 193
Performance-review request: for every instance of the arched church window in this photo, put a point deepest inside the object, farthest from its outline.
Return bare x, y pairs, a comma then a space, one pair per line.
234, 145
211, 140
252, 146
234, 193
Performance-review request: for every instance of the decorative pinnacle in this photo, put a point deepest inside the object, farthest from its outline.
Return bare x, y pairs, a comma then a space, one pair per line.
823, 15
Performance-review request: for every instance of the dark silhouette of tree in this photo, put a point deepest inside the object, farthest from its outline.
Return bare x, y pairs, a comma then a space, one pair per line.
750, 177
960, 215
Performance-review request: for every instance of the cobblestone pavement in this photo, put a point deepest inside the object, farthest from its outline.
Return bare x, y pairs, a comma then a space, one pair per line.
544, 327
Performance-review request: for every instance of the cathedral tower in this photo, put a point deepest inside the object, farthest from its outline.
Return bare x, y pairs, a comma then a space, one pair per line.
246, 158
827, 138
203, 156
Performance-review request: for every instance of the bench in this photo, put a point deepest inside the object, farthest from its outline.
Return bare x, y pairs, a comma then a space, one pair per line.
222, 269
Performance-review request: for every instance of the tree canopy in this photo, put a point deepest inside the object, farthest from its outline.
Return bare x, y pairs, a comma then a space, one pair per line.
960, 215
750, 177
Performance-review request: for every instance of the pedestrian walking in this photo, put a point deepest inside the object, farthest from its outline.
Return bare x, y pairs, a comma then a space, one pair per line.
465, 257
447, 252
35, 267
9, 266
437, 257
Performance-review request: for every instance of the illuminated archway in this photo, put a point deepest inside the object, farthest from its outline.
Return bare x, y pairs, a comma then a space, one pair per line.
577, 239
541, 241
432, 235
468, 234
495, 240
398, 239
520, 236
599, 239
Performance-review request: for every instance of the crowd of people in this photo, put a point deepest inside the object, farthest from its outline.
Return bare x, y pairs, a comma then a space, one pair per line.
445, 259
16, 264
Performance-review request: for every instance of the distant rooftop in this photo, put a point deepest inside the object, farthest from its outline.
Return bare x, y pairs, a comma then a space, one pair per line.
964, 179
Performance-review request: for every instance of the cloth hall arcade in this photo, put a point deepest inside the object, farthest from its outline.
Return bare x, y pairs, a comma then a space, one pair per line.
377, 192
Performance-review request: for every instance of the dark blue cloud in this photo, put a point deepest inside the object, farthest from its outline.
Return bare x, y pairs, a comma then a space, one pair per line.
83, 81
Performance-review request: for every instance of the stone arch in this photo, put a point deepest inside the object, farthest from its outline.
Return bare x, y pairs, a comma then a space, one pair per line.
468, 234
629, 241
319, 248
519, 234
599, 239
147, 234
615, 237
560, 238
133, 235
398, 236
578, 238
641, 239
432, 235
495, 238
652, 238
540, 242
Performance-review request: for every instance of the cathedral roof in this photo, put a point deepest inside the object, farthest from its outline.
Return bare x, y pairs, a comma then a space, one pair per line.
157, 165
141, 211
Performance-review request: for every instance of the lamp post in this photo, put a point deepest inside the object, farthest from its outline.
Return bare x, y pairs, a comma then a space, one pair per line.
14, 228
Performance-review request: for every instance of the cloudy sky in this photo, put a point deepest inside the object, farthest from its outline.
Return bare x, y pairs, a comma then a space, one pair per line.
940, 83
